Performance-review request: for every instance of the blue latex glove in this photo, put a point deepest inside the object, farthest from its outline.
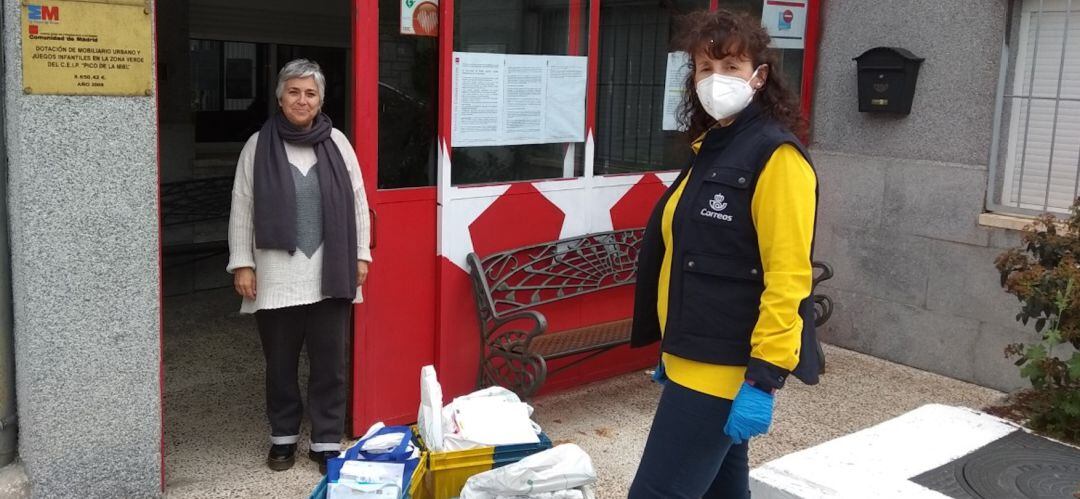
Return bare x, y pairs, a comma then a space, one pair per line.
751, 414
660, 375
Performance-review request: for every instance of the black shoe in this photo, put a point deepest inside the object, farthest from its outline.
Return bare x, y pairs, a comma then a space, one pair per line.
322, 457
281, 457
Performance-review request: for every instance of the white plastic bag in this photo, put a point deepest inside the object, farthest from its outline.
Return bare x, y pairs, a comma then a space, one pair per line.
498, 415
385, 443
562, 494
489, 422
562, 468
429, 419
489, 393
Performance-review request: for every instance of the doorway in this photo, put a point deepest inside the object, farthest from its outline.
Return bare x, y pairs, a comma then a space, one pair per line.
217, 68
218, 62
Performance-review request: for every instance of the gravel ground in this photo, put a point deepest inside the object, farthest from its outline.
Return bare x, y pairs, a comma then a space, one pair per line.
215, 429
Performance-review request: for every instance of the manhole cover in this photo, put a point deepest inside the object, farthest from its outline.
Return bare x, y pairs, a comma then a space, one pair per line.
1019, 465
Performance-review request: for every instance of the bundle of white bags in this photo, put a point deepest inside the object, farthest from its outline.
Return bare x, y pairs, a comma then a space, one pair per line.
564, 472
496, 416
489, 417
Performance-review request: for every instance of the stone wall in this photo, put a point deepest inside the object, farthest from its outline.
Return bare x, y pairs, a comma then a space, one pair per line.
901, 195
82, 195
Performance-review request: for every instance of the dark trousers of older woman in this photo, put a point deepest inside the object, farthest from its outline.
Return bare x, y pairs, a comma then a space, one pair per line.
323, 326
687, 455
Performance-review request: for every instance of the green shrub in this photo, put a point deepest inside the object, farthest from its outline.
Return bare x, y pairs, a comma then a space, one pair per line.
1044, 275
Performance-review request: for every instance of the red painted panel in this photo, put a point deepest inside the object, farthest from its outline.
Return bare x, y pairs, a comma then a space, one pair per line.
520, 217
523, 216
458, 341
395, 326
607, 365
634, 208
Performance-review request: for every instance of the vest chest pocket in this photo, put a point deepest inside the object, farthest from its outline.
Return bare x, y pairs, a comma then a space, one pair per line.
724, 198
720, 296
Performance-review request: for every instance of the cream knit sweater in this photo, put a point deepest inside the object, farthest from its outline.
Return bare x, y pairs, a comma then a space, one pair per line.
283, 280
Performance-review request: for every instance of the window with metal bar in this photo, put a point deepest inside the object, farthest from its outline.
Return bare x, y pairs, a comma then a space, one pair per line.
635, 40
1036, 164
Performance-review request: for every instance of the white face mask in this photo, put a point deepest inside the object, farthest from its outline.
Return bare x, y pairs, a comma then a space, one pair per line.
724, 96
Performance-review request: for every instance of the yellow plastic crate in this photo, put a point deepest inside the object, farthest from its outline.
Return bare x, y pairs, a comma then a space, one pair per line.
446, 472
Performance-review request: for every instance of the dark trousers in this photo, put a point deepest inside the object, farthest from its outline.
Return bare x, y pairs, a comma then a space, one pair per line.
687, 455
284, 331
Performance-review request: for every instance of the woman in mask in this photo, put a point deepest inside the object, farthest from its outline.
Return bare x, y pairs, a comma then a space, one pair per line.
724, 273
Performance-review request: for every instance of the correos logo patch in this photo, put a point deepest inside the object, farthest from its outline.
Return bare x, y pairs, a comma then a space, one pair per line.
717, 204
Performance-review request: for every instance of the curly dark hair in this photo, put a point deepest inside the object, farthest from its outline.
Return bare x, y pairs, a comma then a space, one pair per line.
722, 33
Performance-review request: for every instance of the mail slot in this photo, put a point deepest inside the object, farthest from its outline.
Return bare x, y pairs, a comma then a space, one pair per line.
887, 78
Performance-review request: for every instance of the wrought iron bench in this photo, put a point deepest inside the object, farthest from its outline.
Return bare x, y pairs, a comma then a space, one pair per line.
510, 285
823, 305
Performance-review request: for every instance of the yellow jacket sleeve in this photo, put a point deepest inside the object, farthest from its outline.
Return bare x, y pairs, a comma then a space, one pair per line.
783, 209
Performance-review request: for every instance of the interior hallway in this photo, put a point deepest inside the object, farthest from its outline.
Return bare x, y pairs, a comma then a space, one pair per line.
215, 427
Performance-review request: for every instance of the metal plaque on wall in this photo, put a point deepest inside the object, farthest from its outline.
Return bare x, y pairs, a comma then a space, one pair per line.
85, 47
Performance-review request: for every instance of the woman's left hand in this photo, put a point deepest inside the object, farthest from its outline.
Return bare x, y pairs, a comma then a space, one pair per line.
361, 272
751, 414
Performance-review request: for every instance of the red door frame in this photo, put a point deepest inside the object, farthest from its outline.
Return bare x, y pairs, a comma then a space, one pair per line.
365, 109
810, 56
366, 141
366, 91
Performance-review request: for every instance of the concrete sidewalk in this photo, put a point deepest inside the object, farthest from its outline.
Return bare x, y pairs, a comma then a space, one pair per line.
611, 419
215, 428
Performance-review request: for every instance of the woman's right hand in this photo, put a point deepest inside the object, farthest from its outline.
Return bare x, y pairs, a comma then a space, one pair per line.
244, 282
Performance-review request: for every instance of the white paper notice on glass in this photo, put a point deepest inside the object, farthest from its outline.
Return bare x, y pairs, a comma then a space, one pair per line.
678, 67
507, 99
786, 23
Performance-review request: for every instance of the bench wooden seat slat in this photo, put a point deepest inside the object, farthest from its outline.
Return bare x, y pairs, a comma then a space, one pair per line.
582, 340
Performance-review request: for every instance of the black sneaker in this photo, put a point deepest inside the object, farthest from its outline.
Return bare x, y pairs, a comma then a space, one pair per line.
321, 457
281, 457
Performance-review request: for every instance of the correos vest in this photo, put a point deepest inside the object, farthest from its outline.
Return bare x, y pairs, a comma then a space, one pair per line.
716, 273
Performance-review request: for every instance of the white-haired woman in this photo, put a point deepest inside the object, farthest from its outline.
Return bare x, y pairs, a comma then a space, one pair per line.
298, 249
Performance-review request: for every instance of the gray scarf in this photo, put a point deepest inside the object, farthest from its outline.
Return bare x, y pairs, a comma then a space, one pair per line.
275, 199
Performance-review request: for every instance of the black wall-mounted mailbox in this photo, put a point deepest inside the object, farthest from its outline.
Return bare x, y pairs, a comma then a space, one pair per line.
887, 78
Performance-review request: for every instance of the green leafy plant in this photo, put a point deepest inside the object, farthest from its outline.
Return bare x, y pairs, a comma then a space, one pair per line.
1044, 275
